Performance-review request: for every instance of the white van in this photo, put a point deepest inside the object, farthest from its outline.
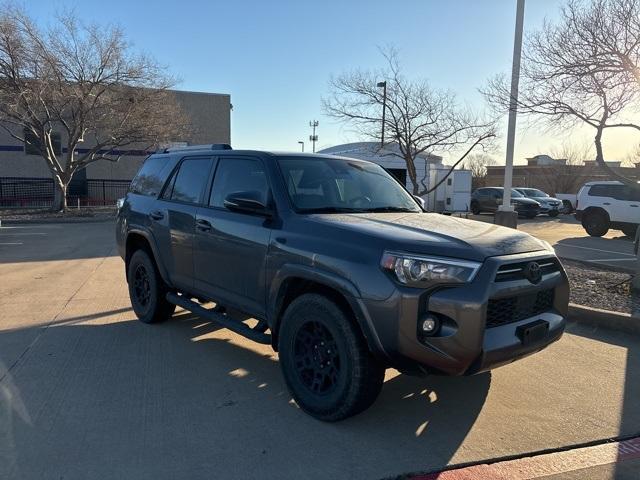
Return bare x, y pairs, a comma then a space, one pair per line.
604, 205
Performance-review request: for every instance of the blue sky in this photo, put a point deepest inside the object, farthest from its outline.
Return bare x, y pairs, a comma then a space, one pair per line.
275, 57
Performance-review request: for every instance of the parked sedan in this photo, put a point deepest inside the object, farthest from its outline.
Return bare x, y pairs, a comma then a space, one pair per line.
549, 205
488, 199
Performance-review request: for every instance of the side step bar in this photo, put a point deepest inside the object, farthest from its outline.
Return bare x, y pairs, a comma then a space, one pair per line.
257, 334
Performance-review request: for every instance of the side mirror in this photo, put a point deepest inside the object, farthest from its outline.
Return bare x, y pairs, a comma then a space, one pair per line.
247, 202
421, 201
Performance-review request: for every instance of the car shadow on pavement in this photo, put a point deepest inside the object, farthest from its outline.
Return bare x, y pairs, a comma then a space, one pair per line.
194, 401
630, 412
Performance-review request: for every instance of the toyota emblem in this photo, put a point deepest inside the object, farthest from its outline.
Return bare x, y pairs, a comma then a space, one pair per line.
532, 272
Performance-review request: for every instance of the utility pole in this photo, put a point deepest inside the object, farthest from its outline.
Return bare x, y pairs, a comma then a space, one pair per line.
506, 215
383, 85
313, 138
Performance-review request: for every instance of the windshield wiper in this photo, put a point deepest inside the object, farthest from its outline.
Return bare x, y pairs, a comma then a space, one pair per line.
331, 210
390, 209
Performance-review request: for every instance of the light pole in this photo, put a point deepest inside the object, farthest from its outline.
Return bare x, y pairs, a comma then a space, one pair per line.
313, 138
302, 145
506, 214
383, 85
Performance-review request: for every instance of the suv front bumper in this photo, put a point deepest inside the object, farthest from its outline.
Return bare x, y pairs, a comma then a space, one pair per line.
470, 340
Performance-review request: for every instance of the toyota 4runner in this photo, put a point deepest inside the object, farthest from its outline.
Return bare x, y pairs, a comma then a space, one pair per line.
339, 267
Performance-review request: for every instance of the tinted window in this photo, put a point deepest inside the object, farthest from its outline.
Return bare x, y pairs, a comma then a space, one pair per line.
235, 175
148, 180
634, 194
190, 180
609, 191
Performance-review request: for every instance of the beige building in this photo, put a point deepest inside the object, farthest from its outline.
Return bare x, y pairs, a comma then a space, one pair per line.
554, 176
209, 115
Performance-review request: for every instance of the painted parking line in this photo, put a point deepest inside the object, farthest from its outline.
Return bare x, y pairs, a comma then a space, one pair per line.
21, 234
545, 465
614, 260
11, 243
591, 248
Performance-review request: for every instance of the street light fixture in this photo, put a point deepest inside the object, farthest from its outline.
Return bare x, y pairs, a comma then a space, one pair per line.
383, 85
302, 145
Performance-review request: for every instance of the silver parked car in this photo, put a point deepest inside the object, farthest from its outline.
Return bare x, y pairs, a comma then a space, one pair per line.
549, 205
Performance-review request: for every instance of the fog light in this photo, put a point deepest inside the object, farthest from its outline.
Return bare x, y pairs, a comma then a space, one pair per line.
429, 325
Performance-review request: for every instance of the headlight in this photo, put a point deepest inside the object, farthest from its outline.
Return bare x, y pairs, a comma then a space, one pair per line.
417, 271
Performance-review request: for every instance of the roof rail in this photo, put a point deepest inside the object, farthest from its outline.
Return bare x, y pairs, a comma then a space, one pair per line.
211, 146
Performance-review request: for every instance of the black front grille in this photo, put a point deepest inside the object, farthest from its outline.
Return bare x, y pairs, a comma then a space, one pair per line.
515, 271
513, 309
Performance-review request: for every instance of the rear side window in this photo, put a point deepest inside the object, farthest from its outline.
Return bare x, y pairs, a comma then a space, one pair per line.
235, 175
619, 192
148, 180
189, 181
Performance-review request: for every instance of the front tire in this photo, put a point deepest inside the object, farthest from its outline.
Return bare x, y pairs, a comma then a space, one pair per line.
553, 213
475, 208
596, 223
325, 360
147, 290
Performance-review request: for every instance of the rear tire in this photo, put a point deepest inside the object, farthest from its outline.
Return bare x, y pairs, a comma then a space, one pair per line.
147, 290
596, 223
325, 360
475, 208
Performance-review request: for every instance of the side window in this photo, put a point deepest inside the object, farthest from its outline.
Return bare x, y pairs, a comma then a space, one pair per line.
148, 181
190, 180
633, 194
238, 175
609, 191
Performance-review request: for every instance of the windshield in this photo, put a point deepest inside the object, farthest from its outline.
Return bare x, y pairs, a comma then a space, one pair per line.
533, 192
341, 185
516, 194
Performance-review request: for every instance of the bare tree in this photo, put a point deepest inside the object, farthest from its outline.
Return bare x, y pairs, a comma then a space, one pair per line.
419, 119
568, 174
582, 70
633, 158
478, 164
80, 83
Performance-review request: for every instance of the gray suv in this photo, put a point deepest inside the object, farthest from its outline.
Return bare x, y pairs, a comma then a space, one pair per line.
339, 268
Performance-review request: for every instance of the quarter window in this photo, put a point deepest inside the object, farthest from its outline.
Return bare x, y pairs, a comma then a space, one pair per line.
148, 181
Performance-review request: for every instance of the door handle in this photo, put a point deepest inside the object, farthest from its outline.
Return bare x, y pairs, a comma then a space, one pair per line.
156, 215
606, 203
203, 225
633, 206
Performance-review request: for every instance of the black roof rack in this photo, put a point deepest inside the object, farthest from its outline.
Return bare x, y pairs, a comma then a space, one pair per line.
211, 146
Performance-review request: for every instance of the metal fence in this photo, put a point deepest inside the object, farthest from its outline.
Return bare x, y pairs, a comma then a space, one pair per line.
38, 192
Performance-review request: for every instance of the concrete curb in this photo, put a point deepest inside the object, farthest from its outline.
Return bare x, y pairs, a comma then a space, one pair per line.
622, 322
38, 221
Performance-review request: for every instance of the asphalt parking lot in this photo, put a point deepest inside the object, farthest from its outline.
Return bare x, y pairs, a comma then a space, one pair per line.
570, 241
87, 391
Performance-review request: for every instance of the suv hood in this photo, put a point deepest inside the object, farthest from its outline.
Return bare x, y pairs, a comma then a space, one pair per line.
435, 234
